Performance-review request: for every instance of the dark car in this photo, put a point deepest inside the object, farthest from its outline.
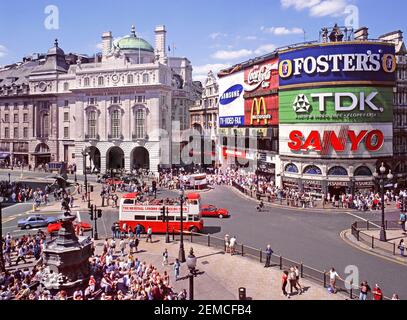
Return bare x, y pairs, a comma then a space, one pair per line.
36, 222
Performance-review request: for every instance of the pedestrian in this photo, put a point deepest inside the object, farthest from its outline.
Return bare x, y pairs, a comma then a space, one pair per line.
297, 277
377, 293
364, 290
402, 247
122, 246
132, 244
333, 276
21, 255
284, 284
402, 221
395, 297
177, 267
165, 257
149, 234
269, 253
232, 245
227, 243
136, 243
113, 231
138, 231
292, 278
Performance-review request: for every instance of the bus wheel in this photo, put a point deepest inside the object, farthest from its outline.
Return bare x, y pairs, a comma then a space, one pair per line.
194, 230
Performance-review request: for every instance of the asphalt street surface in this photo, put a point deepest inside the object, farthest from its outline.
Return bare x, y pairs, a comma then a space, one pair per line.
301, 235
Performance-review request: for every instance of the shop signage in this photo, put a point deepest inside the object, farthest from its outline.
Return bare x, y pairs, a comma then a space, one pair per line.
333, 105
344, 62
338, 184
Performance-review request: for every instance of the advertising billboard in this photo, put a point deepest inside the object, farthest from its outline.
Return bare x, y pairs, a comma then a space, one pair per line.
250, 98
370, 140
337, 105
231, 102
366, 63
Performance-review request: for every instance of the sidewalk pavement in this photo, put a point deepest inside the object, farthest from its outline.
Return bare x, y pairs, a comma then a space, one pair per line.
221, 275
382, 249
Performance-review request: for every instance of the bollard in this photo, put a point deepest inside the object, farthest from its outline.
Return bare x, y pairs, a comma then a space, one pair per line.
242, 294
242, 250
394, 248
324, 278
281, 263
351, 290
372, 242
261, 256
209, 240
302, 269
173, 235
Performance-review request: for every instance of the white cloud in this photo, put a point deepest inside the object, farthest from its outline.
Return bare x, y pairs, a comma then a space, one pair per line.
3, 51
217, 35
201, 72
318, 8
251, 38
267, 48
232, 55
282, 31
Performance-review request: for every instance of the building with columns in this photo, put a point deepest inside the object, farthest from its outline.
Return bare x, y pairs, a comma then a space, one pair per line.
119, 105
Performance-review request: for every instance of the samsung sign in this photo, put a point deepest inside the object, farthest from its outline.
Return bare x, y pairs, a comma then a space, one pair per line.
231, 102
368, 63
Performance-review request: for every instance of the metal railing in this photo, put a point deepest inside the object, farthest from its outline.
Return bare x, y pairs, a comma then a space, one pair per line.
277, 261
372, 241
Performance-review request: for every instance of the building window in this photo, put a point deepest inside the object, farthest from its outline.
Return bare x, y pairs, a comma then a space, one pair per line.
140, 99
25, 117
363, 172
291, 168
101, 81
313, 170
7, 133
66, 103
6, 118
66, 116
92, 101
146, 78
66, 86
140, 124
337, 171
66, 132
130, 79
86, 82
92, 121
45, 126
25, 105
6, 106
115, 124
115, 100
15, 118
15, 132
15, 106
25, 133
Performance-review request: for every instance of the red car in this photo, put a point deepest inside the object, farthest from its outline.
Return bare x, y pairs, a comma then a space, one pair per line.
212, 211
114, 181
55, 227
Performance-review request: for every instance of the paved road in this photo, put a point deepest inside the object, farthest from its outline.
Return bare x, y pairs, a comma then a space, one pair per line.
310, 237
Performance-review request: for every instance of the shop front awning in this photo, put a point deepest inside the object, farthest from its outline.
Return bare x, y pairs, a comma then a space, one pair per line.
4, 155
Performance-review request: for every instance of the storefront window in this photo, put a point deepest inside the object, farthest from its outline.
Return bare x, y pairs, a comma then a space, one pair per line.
312, 170
291, 168
363, 172
337, 171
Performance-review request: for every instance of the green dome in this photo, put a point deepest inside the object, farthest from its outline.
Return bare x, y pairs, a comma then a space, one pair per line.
133, 43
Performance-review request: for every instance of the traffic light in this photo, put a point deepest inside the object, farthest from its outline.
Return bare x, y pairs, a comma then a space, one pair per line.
91, 212
91, 188
99, 213
163, 213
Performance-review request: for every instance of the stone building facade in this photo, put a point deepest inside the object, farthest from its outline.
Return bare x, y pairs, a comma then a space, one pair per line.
119, 105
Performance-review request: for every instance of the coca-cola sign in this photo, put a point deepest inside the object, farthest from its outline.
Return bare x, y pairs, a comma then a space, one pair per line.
262, 77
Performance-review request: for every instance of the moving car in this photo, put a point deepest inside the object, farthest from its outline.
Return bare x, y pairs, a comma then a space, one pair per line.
212, 211
36, 222
55, 227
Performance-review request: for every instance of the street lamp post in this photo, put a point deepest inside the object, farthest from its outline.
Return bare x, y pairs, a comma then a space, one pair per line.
167, 235
381, 178
181, 254
9, 178
2, 263
191, 263
85, 154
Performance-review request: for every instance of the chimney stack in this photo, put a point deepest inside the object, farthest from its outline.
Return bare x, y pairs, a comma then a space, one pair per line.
362, 34
161, 43
107, 41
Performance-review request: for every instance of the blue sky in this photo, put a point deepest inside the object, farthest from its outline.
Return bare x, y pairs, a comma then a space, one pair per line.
212, 34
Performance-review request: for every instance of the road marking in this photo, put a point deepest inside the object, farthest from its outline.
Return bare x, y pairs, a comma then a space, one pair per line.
363, 219
350, 243
6, 220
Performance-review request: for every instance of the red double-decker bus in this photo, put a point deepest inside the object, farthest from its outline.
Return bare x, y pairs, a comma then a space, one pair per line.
149, 214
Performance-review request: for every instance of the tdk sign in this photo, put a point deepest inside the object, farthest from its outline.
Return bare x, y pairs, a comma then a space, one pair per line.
231, 94
339, 64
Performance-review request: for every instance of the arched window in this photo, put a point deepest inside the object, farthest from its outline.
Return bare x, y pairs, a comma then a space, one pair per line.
86, 82
101, 81
337, 171
115, 124
140, 125
146, 78
92, 125
130, 79
313, 170
291, 168
363, 172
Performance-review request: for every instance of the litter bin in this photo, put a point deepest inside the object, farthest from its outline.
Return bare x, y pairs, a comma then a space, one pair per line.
242, 293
